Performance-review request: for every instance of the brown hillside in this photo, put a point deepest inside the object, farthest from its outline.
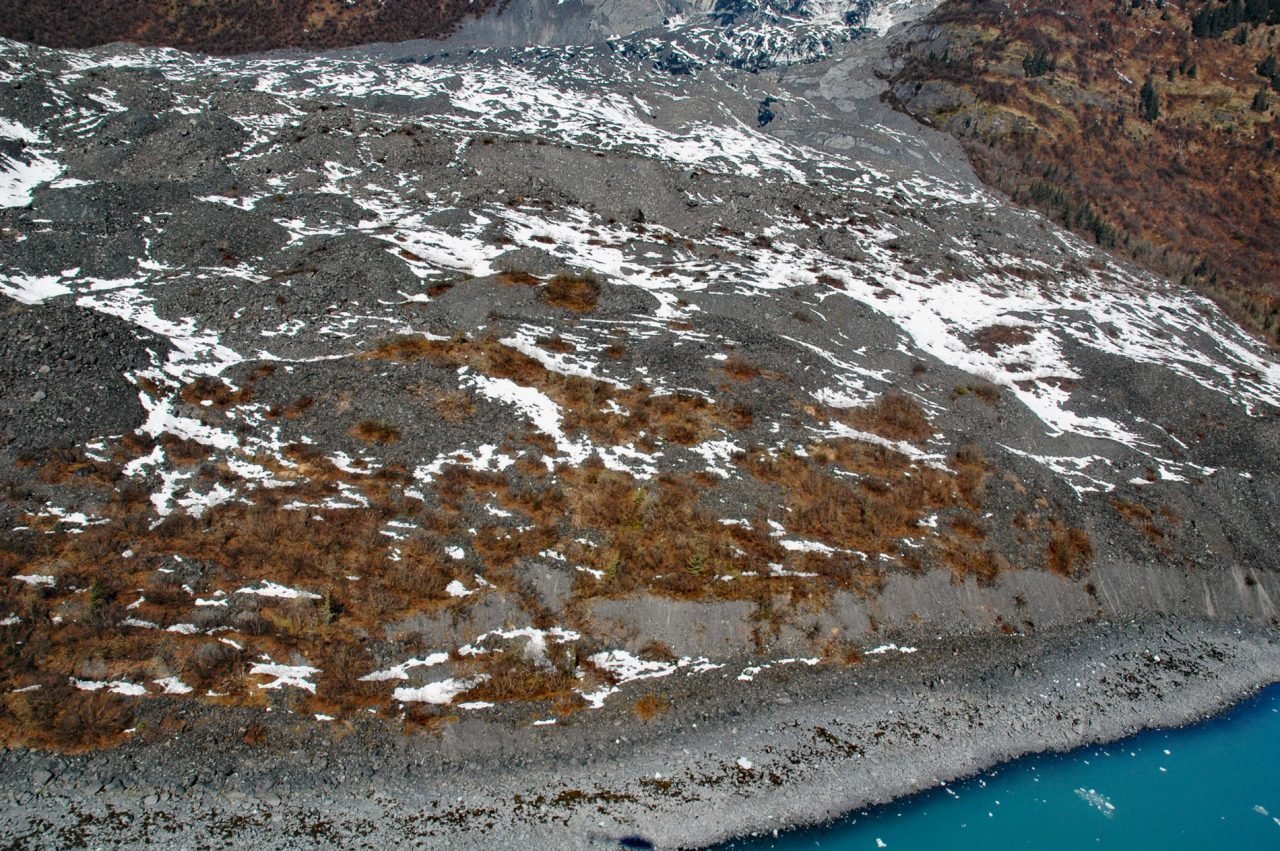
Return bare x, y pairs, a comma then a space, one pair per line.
230, 26
1128, 121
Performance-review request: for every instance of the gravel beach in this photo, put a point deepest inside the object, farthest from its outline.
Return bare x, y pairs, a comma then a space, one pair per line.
794, 745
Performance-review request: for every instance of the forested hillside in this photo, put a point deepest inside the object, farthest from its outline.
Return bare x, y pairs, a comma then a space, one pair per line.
230, 26
1149, 126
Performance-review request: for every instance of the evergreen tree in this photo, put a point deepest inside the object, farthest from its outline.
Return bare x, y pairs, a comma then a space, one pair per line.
1150, 101
1038, 64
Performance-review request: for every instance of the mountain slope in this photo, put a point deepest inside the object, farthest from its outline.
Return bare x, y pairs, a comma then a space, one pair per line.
230, 26
1125, 121
511, 379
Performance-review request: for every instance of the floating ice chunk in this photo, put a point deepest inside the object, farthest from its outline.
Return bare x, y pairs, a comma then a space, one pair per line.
1097, 800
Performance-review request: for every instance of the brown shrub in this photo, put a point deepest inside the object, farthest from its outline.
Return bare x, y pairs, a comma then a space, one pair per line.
58, 715
293, 410
739, 368
579, 293
513, 676
255, 735
992, 338
556, 343
183, 451
375, 431
659, 651
650, 707
455, 406
966, 560
518, 279
895, 415
1069, 549
971, 474
207, 388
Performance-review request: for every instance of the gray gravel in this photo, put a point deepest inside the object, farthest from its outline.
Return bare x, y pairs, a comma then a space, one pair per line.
797, 745
1154, 632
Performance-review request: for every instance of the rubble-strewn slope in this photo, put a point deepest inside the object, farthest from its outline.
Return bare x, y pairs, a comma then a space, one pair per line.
525, 376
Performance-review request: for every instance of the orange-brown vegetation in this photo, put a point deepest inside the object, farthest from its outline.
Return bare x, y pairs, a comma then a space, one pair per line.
511, 675
231, 26
518, 279
120, 587
375, 431
895, 415
215, 391
1158, 526
59, 716
739, 368
579, 293
677, 417
650, 706
993, 338
1069, 550
1116, 119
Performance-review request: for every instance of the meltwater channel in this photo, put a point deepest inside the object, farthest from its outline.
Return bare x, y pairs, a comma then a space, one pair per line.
1215, 785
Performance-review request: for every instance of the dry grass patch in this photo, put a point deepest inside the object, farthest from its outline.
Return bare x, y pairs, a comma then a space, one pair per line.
740, 369
650, 706
454, 406
512, 676
682, 418
1069, 550
1146, 521
895, 416
518, 279
993, 338
217, 392
579, 293
375, 431
60, 717
556, 344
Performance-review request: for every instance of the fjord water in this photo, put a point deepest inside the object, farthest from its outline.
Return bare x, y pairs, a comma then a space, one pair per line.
1213, 785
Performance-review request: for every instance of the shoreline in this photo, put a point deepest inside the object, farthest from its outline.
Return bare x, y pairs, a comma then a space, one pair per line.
795, 747
1228, 706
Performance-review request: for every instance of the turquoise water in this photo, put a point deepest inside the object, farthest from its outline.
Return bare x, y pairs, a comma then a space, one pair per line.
1212, 786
